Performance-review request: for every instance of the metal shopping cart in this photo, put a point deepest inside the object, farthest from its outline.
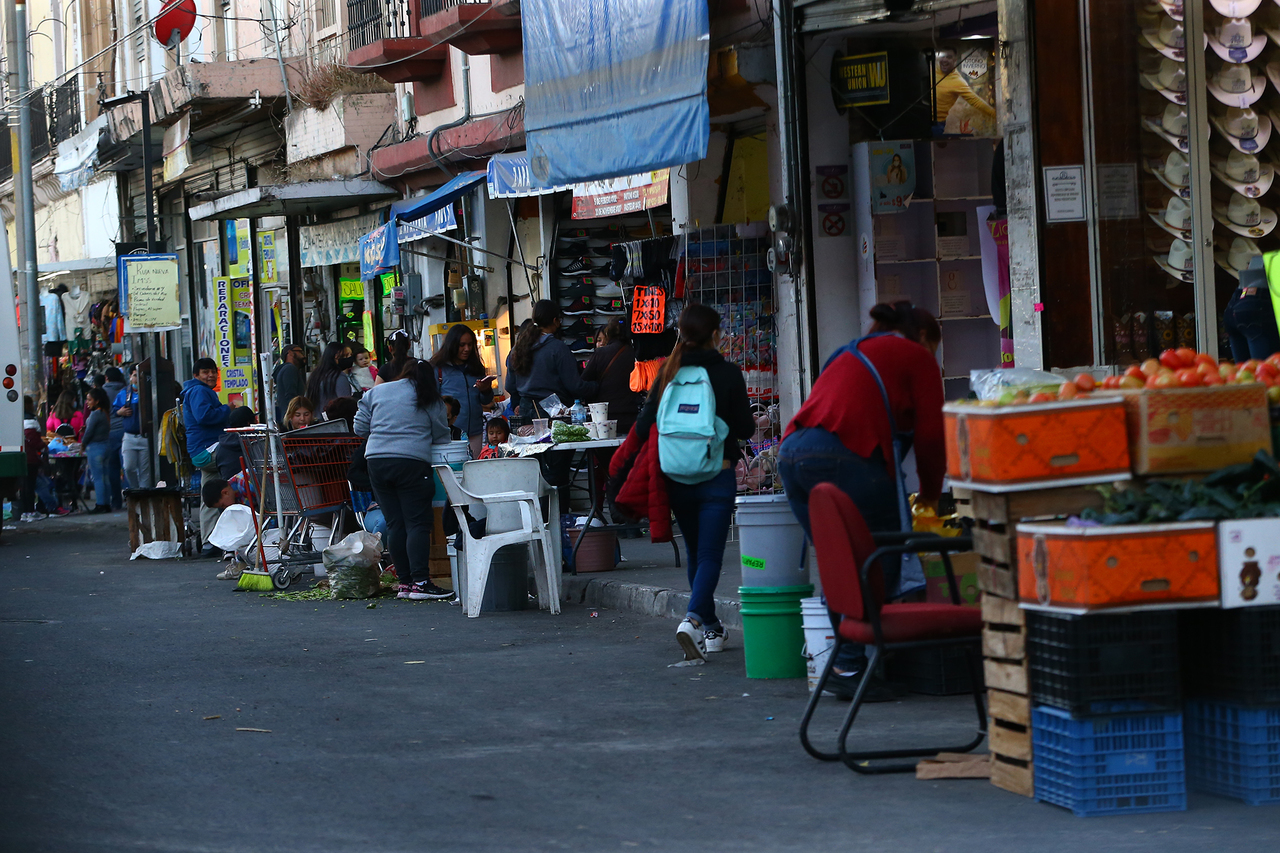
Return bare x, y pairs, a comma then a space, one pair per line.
296, 479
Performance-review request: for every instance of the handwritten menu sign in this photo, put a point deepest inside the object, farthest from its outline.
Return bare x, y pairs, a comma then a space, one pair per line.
649, 310
150, 284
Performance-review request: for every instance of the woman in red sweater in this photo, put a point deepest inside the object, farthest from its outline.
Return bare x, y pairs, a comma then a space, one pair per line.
842, 435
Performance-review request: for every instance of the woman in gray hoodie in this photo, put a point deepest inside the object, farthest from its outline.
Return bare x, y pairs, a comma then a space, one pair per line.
402, 417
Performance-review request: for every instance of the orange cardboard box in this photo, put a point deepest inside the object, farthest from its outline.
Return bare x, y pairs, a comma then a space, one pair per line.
1095, 568
1026, 443
1185, 430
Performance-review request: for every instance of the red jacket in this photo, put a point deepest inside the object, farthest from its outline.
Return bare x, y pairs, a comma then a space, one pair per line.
643, 491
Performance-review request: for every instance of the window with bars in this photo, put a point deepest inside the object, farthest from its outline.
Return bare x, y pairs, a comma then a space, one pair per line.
326, 14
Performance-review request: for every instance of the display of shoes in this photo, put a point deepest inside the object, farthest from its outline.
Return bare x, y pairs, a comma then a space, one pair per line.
580, 346
581, 305
609, 288
581, 327
610, 305
577, 287
577, 265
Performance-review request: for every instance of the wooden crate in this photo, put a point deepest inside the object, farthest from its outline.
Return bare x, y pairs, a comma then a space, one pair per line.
1004, 652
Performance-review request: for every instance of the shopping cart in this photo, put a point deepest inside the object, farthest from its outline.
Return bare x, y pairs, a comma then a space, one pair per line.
296, 478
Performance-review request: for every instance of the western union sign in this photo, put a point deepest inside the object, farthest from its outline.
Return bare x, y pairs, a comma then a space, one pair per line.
860, 81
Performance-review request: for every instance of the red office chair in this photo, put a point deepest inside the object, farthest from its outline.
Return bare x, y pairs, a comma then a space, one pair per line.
852, 581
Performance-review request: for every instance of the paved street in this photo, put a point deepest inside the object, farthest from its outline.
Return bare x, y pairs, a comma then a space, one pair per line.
408, 727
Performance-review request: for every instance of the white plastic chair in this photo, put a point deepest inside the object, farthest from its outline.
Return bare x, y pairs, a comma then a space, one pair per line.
515, 518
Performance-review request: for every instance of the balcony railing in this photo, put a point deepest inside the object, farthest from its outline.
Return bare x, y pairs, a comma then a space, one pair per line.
432, 7
369, 21
64, 111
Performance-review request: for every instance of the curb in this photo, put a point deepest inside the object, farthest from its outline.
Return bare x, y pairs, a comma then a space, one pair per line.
640, 598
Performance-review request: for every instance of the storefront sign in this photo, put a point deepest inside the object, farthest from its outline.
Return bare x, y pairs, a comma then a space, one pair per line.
239, 255
617, 196
350, 288
831, 182
379, 250
442, 220
860, 81
1064, 193
648, 310
509, 176
335, 242
833, 219
148, 286
267, 272
892, 165
177, 148
222, 321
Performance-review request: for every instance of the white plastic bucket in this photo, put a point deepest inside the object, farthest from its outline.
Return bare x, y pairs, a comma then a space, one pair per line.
320, 536
772, 542
453, 453
819, 637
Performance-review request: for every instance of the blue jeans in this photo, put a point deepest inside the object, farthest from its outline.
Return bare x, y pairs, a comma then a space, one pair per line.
115, 445
704, 512
1250, 323
812, 456
97, 454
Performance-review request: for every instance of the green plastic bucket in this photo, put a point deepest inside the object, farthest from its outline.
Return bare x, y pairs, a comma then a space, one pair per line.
772, 631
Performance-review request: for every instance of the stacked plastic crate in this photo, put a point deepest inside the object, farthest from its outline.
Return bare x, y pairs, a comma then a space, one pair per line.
1231, 664
1106, 721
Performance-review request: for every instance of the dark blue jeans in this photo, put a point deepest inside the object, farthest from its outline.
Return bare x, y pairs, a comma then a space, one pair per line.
704, 512
97, 454
1250, 323
115, 457
812, 456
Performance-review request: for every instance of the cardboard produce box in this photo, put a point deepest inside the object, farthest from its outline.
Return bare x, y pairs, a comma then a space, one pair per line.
1188, 430
1249, 562
1036, 442
965, 566
1080, 569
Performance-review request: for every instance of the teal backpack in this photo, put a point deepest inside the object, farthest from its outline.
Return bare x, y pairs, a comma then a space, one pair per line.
690, 435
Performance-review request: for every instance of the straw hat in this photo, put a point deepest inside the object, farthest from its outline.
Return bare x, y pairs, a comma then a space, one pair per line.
1237, 256
1247, 131
1173, 172
1178, 262
1235, 84
1244, 173
1245, 216
1235, 8
1170, 80
1167, 37
1236, 41
1171, 126
1174, 218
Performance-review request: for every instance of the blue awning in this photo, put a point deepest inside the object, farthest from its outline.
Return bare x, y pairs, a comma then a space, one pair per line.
614, 87
411, 209
510, 177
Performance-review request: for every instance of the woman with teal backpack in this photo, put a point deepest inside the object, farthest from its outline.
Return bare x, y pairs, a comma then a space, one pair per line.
700, 489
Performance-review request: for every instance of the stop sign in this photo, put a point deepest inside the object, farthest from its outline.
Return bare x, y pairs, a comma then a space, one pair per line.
177, 15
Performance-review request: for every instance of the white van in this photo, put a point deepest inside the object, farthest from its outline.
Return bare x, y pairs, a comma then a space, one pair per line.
13, 461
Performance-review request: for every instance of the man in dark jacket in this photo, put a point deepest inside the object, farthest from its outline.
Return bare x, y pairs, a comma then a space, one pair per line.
289, 378
113, 385
204, 416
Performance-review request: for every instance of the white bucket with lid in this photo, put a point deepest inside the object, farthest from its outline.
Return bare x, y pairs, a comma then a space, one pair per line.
819, 637
454, 453
772, 542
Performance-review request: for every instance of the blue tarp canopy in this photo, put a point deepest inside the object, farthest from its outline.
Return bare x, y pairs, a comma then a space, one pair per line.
510, 177
614, 87
411, 209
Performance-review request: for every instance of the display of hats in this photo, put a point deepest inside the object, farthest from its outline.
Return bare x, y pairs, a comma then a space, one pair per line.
1172, 8
1174, 172
1171, 126
1237, 256
1235, 8
1235, 85
1245, 216
1247, 131
1178, 263
1235, 40
1244, 173
1169, 80
1167, 37
1175, 217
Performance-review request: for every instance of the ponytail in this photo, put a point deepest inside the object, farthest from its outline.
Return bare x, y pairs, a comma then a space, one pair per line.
545, 314
907, 320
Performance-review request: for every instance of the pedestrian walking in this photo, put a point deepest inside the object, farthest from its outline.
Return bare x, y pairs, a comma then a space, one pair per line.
463, 376
846, 431
289, 378
113, 385
700, 487
402, 418
330, 378
135, 448
96, 444
204, 416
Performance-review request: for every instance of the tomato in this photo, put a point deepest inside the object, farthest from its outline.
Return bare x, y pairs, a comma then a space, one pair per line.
1212, 379
1251, 365
1165, 380
1273, 395
1267, 372
1042, 397
1136, 371
1204, 368
1205, 358
1244, 377
1128, 381
1112, 382
1068, 391
1189, 378
1187, 355
1227, 371
1170, 359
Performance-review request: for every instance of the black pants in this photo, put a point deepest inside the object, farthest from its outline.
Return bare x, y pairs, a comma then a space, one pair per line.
404, 489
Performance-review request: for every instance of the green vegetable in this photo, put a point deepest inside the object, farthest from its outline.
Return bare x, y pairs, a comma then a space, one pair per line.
562, 432
1250, 490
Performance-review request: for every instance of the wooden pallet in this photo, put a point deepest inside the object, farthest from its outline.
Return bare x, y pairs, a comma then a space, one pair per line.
1004, 652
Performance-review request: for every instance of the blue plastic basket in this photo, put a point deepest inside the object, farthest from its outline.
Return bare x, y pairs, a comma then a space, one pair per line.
1234, 751
1109, 765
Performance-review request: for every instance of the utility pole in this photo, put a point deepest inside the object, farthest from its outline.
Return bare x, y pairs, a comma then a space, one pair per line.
24, 194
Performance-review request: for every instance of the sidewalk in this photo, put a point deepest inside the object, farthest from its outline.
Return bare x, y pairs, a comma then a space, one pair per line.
650, 583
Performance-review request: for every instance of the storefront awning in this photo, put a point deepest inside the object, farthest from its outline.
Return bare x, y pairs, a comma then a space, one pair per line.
616, 88
293, 199
509, 176
83, 264
412, 209
78, 156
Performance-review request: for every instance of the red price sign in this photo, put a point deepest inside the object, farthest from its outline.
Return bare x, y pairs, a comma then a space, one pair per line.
649, 310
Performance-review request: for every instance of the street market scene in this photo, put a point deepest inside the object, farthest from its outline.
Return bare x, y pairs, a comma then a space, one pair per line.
767, 424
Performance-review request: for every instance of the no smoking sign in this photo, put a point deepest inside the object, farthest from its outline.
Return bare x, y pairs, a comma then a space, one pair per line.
833, 220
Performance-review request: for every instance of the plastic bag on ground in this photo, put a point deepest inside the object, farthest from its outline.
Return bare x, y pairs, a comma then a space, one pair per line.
352, 565
234, 528
158, 551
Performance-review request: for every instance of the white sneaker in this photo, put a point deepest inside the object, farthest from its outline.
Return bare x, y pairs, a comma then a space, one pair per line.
715, 638
33, 516
692, 640
232, 572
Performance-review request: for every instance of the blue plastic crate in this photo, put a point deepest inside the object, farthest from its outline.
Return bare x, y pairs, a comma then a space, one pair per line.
1109, 765
1234, 751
